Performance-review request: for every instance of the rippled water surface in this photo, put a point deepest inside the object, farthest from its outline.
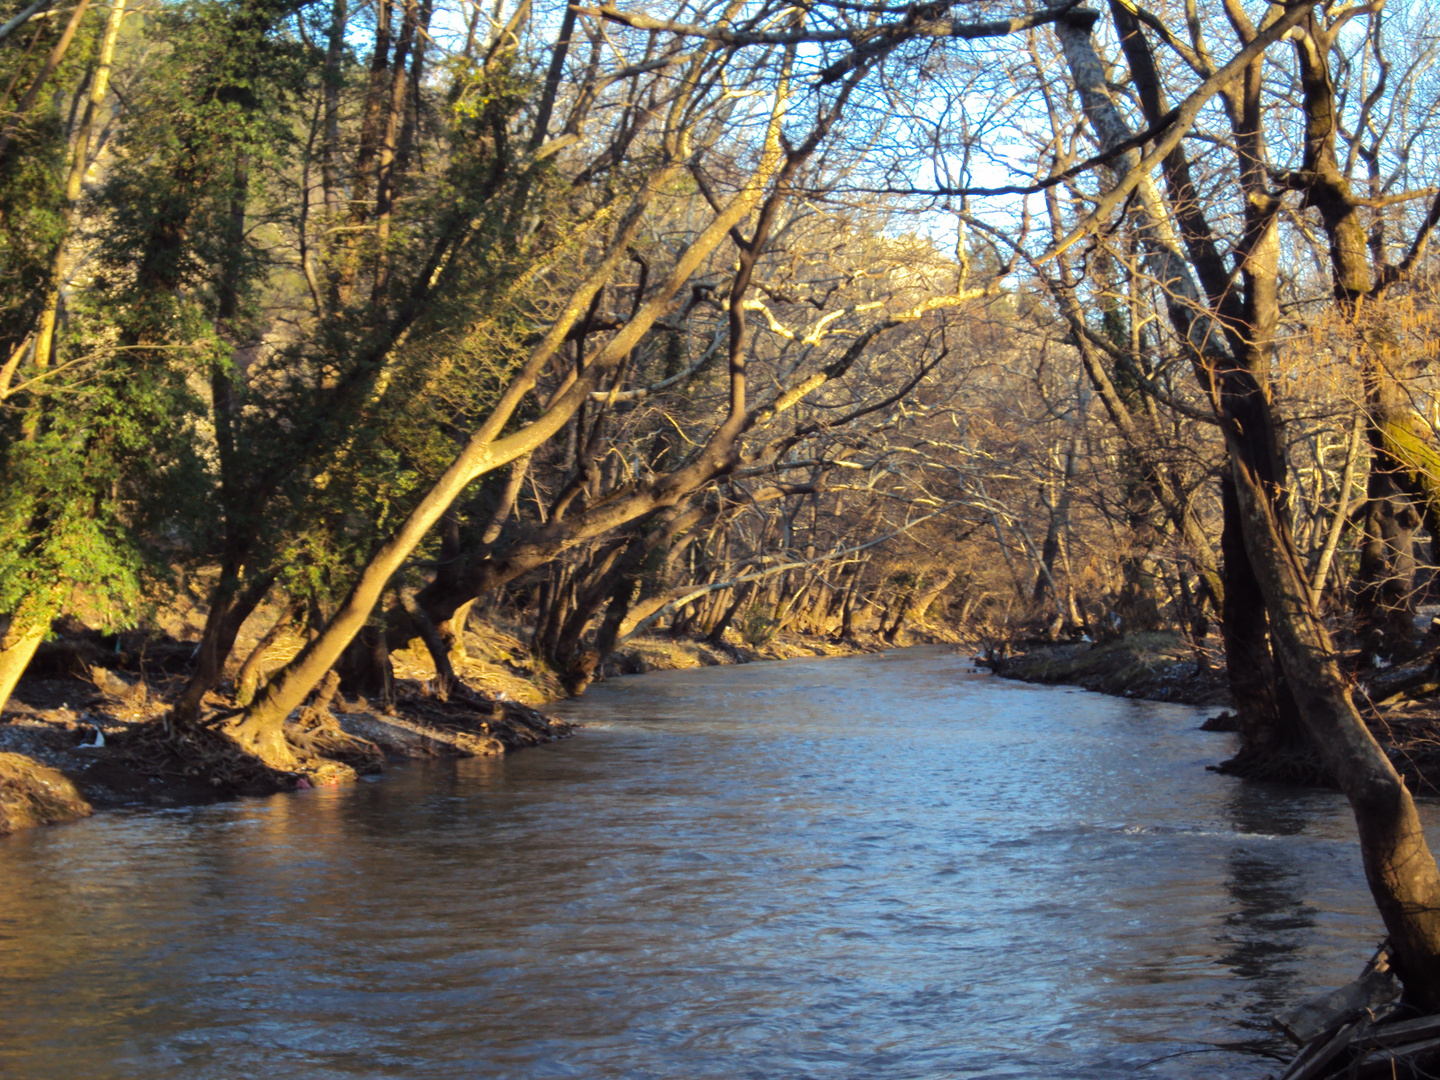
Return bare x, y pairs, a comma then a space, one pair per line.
882, 867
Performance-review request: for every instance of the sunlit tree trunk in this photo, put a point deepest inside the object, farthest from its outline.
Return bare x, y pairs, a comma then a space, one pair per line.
16, 651
261, 729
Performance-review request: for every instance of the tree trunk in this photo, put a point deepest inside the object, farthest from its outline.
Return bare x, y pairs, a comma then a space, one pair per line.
1341, 515
1272, 742
902, 608
452, 630
229, 608
920, 603
333, 80
1401, 871
385, 173
716, 636
1232, 375
376, 94
1058, 525
409, 614
1402, 443
1399, 866
261, 730
847, 608
1385, 597
247, 679
79, 162
16, 652
365, 668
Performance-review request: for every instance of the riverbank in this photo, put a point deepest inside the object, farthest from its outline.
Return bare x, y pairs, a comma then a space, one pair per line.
87, 728
1156, 667
1400, 703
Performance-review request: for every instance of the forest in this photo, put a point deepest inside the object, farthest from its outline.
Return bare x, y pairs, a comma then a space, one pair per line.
373, 327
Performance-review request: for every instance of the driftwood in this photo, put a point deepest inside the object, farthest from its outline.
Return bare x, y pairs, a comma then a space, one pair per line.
1412, 1059
1367, 995
1313, 1059
1406, 1031
1354, 1031
1415, 679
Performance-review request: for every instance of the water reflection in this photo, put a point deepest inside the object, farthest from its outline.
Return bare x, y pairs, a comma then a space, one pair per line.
880, 867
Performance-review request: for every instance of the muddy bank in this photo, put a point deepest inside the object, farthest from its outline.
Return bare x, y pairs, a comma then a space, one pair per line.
112, 753
93, 716
1156, 666
671, 654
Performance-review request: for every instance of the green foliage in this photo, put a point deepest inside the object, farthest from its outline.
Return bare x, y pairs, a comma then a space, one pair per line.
106, 477
215, 113
215, 398
113, 456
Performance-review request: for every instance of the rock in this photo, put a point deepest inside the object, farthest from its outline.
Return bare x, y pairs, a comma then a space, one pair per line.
35, 794
1226, 721
117, 688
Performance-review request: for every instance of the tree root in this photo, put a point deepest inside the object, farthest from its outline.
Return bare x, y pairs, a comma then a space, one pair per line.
1283, 767
316, 751
194, 752
317, 734
510, 723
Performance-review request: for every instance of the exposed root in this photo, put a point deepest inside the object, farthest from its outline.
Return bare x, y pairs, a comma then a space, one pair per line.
191, 753
1282, 767
510, 723
317, 734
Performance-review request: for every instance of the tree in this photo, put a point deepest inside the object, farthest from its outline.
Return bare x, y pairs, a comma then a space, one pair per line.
1232, 340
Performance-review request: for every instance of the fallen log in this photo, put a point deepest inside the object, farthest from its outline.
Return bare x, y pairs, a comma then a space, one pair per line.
1325, 1048
1406, 1031
1366, 996
1353, 1032
1408, 1061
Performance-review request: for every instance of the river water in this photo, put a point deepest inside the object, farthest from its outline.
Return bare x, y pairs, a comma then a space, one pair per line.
873, 868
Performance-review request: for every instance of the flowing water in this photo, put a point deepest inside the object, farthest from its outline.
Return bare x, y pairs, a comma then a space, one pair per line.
874, 868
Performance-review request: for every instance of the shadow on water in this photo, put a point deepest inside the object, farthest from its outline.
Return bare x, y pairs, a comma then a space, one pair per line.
880, 867
1268, 926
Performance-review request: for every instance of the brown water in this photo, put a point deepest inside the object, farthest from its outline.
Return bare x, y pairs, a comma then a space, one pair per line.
871, 868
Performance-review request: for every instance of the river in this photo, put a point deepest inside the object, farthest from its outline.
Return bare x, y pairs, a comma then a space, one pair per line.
875, 868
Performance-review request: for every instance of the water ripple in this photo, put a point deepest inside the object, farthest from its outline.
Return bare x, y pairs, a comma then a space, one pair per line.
885, 868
